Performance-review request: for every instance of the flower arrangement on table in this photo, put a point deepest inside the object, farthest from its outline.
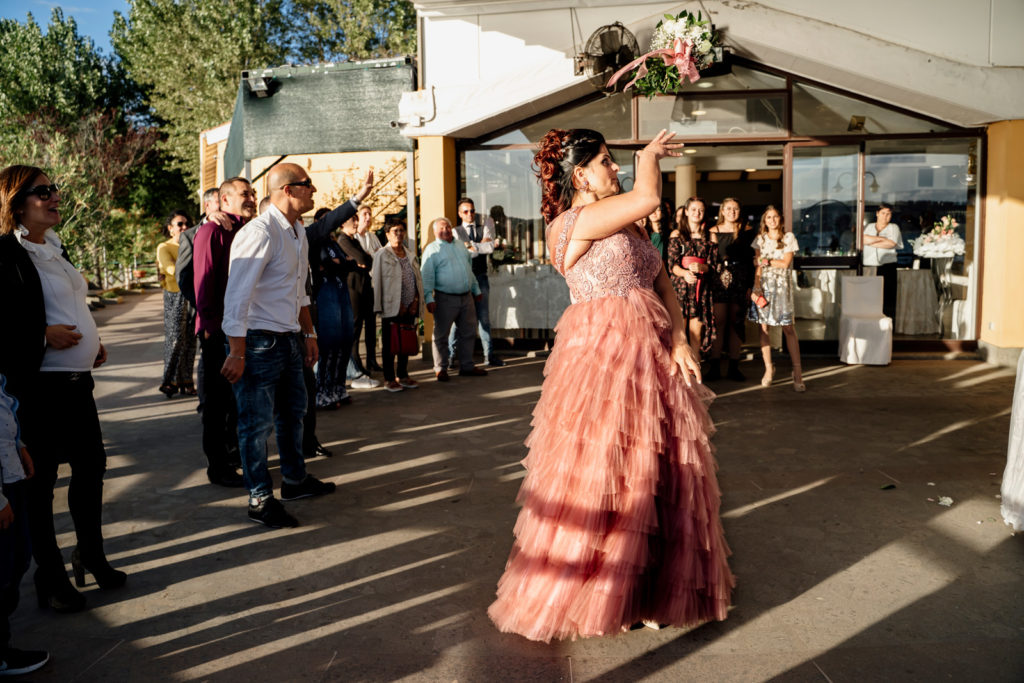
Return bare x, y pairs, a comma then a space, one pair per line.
941, 241
504, 253
681, 47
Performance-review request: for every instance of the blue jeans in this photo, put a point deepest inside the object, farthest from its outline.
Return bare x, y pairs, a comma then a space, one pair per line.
483, 319
15, 555
334, 327
271, 392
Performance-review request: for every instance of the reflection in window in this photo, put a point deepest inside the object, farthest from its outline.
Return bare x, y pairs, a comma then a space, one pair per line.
502, 184
694, 116
821, 112
610, 116
925, 181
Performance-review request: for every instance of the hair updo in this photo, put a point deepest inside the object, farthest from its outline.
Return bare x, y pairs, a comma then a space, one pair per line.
560, 152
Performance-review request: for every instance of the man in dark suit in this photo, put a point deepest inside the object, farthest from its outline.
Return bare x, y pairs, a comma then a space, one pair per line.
478, 236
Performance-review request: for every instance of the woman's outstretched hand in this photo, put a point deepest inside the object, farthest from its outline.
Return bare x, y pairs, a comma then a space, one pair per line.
662, 146
685, 360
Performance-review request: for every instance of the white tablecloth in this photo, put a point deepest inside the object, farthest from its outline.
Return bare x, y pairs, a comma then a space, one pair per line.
527, 296
917, 303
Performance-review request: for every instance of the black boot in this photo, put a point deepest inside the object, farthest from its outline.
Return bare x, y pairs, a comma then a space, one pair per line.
734, 371
53, 590
105, 575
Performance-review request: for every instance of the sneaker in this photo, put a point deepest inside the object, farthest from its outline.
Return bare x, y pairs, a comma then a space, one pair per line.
365, 382
442, 375
14, 662
408, 382
393, 386
495, 362
310, 486
271, 513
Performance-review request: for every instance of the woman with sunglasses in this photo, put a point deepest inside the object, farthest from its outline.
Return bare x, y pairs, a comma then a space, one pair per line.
179, 339
49, 347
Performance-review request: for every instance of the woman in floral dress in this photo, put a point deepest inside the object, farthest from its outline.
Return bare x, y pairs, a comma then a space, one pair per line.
693, 262
774, 249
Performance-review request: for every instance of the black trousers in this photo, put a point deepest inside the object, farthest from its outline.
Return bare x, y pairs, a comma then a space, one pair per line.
15, 556
888, 273
60, 424
220, 414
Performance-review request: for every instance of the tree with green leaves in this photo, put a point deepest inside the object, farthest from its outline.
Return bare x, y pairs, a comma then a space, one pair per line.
188, 55
338, 30
66, 108
58, 70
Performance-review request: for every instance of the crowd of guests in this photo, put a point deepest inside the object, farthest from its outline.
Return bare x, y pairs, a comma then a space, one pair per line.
726, 273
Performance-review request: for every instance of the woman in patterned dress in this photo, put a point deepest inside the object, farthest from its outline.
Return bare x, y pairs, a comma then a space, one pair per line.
774, 249
693, 262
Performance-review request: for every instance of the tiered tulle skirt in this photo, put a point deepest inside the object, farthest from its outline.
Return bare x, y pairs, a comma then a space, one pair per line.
620, 502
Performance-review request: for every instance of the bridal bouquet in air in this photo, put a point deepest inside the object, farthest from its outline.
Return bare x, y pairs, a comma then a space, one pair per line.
681, 47
941, 241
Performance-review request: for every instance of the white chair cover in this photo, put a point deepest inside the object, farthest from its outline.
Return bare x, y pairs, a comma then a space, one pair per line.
865, 334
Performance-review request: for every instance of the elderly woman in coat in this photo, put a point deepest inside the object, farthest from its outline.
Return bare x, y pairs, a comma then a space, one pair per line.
397, 296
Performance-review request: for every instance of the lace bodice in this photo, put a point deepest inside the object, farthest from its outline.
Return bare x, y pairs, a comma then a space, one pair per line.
611, 267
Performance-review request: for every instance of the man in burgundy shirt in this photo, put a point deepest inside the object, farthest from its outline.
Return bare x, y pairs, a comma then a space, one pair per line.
211, 255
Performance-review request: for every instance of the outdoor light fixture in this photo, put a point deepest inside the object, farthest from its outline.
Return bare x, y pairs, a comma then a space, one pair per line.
259, 84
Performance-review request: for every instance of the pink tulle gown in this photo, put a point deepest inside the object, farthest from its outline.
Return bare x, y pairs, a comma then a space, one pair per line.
620, 502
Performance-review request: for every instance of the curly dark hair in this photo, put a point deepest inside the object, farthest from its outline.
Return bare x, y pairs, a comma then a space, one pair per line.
560, 152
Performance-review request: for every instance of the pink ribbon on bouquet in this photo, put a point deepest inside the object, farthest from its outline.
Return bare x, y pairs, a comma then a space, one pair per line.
678, 55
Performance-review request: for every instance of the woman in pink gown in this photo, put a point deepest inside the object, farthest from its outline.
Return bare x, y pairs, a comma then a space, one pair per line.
620, 503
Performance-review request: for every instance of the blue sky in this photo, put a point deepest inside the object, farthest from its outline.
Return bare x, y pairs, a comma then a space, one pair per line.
94, 17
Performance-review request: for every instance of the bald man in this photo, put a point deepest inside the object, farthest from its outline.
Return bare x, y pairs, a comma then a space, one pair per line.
270, 335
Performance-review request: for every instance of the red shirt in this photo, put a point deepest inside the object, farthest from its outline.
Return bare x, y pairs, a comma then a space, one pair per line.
211, 253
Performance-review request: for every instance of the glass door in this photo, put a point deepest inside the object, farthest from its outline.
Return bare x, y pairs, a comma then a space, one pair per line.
824, 192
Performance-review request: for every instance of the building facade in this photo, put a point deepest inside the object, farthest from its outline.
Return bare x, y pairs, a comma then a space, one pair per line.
825, 110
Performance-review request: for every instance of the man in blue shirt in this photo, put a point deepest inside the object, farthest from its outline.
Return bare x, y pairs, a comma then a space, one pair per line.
450, 289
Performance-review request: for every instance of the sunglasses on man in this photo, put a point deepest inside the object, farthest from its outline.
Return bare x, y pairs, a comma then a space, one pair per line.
44, 192
301, 183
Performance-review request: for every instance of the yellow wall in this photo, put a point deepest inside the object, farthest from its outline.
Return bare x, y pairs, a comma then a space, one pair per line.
435, 181
1002, 292
435, 175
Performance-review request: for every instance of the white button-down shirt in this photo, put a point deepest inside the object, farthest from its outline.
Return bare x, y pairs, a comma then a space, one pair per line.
64, 292
266, 276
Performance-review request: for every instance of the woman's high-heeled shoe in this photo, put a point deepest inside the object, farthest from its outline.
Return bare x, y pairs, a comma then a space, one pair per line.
769, 375
106, 576
188, 389
58, 594
168, 390
799, 387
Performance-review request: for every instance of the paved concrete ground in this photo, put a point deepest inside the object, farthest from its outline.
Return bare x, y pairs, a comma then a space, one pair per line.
840, 578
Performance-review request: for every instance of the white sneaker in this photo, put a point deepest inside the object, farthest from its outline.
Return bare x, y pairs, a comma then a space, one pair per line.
365, 382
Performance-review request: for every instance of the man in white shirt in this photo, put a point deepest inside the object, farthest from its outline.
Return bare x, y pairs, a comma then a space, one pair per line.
270, 335
881, 240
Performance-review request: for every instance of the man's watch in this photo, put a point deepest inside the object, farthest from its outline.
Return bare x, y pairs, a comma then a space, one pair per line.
309, 335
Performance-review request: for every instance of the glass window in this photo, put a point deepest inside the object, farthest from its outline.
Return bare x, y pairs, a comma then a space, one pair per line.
503, 186
824, 204
692, 116
611, 116
738, 78
926, 181
820, 112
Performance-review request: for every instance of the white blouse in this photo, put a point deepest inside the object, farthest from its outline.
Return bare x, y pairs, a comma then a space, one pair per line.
64, 292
